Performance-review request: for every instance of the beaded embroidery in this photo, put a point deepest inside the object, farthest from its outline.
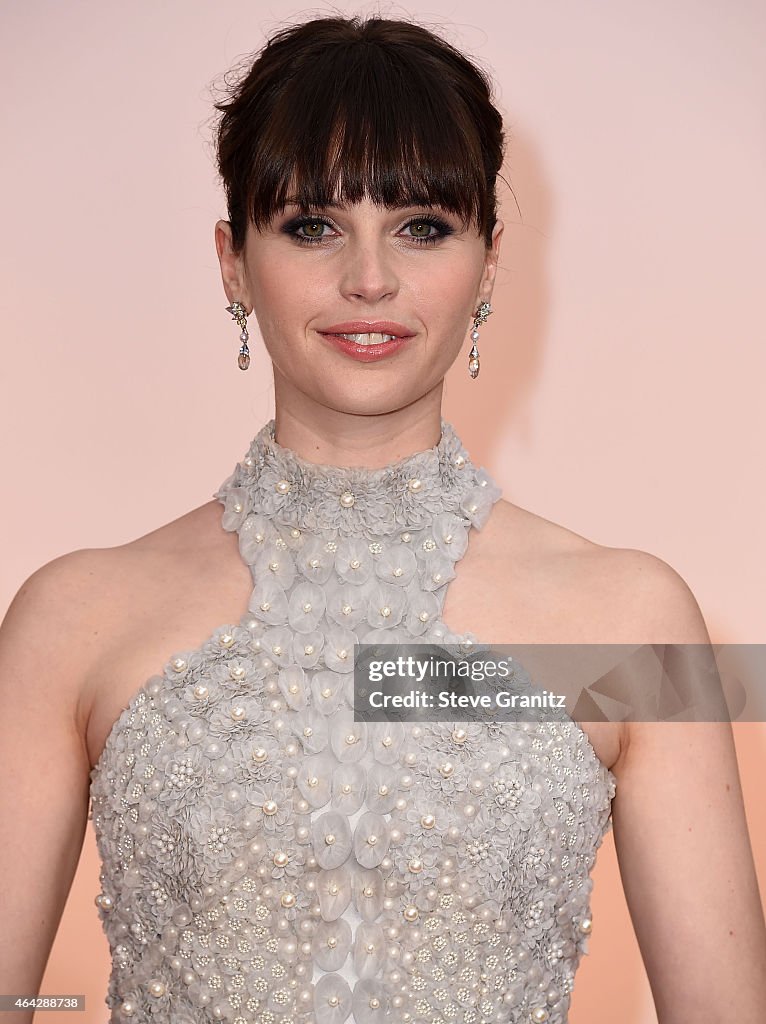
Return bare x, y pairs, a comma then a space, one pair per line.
267, 859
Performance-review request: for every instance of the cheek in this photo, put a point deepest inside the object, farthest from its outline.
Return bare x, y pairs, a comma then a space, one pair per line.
276, 298
444, 304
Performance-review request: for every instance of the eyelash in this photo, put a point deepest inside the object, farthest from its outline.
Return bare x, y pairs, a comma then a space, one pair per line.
444, 229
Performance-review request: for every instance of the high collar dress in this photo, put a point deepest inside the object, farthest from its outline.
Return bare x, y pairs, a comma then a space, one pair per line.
267, 858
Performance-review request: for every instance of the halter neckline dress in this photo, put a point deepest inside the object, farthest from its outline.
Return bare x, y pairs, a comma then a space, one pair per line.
267, 859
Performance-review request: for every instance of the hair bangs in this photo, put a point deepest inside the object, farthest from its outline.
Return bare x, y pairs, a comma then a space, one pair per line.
368, 126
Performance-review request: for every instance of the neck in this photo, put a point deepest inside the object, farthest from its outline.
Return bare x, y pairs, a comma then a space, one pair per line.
332, 437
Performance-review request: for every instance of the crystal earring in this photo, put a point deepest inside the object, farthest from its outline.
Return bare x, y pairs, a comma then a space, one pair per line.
473, 358
238, 313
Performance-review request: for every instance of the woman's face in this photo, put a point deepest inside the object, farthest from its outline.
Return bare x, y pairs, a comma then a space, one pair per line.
414, 267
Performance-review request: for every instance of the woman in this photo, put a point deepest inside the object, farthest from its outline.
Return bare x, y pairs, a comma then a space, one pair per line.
266, 858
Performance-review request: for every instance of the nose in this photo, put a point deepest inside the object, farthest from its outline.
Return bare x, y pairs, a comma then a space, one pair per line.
368, 272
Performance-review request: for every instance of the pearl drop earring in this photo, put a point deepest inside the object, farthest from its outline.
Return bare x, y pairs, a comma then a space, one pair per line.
238, 313
473, 358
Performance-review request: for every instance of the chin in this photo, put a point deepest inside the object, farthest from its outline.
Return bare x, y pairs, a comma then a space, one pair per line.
360, 402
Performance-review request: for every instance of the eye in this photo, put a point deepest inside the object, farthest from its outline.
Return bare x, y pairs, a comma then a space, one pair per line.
313, 226
442, 229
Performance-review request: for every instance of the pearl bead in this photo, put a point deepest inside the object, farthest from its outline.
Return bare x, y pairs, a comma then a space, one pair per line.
157, 988
270, 807
411, 913
347, 499
178, 664
415, 485
354, 563
282, 486
586, 925
307, 607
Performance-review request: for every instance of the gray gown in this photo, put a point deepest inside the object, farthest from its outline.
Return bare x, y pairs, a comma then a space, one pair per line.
268, 859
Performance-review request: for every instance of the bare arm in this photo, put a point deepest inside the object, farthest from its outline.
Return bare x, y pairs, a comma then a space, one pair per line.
43, 764
683, 846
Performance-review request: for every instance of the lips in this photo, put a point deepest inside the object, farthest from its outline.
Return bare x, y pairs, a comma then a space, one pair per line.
368, 351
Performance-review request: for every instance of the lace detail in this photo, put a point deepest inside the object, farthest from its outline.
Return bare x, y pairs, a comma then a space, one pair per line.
268, 859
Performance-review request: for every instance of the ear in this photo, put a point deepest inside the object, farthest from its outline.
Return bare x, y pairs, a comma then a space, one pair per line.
491, 258
232, 266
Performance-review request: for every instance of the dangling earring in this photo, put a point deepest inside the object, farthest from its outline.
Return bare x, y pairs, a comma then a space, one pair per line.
238, 313
473, 358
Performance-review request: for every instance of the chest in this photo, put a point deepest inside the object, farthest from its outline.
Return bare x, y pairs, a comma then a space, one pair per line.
179, 606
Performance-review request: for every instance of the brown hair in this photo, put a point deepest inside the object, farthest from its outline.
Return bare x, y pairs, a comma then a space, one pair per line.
392, 110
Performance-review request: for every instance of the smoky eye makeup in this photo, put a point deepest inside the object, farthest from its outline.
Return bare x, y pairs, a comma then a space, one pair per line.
307, 229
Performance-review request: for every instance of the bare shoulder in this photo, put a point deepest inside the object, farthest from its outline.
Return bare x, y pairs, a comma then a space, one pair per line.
627, 594
77, 603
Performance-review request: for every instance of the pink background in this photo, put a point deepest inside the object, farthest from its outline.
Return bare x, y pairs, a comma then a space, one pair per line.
622, 372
